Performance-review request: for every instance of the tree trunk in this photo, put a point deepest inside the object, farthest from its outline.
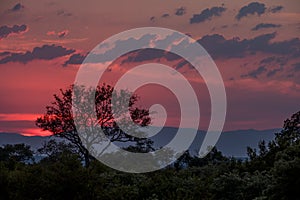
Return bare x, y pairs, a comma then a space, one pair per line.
87, 159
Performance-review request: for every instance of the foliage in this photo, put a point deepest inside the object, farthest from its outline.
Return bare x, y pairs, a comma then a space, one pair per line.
272, 172
16, 153
59, 118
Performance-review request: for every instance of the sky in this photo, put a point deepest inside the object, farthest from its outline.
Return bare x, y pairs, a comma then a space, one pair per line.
254, 44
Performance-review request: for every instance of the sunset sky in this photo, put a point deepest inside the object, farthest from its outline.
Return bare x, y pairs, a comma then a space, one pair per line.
255, 45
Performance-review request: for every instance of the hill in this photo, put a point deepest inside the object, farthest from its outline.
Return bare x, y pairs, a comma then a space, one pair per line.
231, 143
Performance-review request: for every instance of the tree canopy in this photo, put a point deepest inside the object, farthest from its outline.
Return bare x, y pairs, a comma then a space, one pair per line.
59, 118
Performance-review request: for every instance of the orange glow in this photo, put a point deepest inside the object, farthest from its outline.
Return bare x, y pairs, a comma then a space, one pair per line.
35, 132
19, 117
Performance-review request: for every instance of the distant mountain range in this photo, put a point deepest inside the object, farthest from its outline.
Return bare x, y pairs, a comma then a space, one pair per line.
231, 143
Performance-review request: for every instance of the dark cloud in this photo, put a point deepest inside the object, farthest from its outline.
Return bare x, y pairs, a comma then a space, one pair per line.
6, 30
265, 25
183, 63
150, 55
296, 67
274, 71
216, 45
219, 47
5, 53
180, 11
140, 55
275, 9
207, 14
251, 9
271, 62
17, 7
46, 52
165, 15
189, 34
75, 59
152, 19
268, 60
288, 47
255, 73
274, 60
144, 55
120, 46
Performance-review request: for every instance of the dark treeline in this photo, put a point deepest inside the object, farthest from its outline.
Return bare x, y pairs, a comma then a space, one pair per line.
271, 172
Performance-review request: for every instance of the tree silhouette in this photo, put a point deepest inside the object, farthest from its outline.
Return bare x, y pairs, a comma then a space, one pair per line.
289, 136
273, 172
59, 118
16, 152
281, 157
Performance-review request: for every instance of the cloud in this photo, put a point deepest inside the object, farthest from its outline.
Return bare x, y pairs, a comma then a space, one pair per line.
5, 53
265, 25
269, 62
152, 19
224, 26
63, 33
251, 9
296, 67
121, 46
275, 9
111, 52
255, 73
149, 55
219, 47
140, 55
60, 34
16, 29
274, 60
180, 11
274, 71
46, 52
75, 59
207, 14
165, 15
17, 7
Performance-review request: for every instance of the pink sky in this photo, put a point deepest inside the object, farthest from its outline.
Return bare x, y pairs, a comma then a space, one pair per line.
261, 92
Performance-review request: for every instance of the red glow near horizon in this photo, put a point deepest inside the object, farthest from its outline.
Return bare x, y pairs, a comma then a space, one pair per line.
18, 117
35, 132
